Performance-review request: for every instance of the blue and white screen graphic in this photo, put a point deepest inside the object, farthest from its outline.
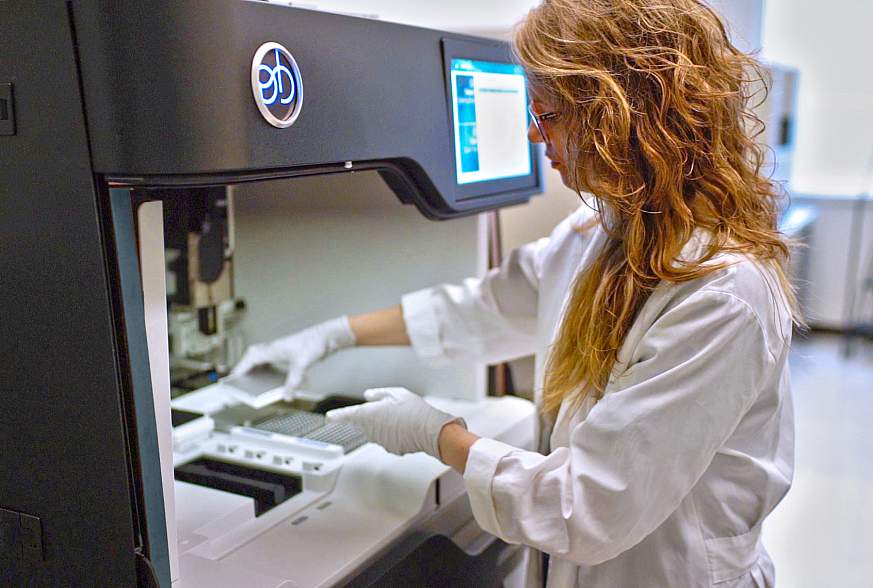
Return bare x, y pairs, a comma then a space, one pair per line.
489, 101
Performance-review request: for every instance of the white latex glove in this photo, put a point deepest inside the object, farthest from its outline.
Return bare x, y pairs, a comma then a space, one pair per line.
398, 420
296, 353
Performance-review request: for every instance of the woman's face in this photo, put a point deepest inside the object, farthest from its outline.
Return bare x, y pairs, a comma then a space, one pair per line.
555, 137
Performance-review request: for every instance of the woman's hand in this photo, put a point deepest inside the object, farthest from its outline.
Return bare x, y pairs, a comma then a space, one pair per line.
298, 352
398, 420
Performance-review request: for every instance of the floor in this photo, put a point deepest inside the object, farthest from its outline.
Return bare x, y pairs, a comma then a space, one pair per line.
821, 535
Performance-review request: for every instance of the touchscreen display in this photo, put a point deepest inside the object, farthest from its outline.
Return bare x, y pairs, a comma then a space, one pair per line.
489, 102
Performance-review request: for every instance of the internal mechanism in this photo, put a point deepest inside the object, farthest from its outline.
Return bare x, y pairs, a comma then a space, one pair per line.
203, 311
268, 489
262, 453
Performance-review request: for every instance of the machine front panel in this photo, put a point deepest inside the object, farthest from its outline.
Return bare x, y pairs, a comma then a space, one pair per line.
64, 464
169, 92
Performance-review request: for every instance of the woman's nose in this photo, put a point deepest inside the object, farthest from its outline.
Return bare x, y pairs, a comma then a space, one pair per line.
533, 133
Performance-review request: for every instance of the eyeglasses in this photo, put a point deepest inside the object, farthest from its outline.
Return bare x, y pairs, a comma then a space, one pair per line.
538, 120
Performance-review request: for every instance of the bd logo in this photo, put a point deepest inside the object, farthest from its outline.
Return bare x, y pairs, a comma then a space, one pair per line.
277, 85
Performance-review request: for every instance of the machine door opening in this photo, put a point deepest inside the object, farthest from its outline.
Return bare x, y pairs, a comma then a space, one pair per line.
251, 488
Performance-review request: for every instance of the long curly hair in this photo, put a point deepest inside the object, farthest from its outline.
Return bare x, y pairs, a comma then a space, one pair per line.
656, 106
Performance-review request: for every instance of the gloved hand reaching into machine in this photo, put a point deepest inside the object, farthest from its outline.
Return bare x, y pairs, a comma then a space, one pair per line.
298, 352
398, 420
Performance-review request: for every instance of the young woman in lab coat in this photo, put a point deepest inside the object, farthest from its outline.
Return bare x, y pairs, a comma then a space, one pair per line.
659, 313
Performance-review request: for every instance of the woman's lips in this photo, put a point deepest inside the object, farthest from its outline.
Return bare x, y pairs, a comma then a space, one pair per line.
556, 163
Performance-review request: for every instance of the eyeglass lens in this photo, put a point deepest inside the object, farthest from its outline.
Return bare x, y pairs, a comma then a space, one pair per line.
538, 125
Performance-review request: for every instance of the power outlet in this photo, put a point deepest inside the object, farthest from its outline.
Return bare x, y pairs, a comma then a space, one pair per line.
10, 544
20, 539
30, 537
7, 110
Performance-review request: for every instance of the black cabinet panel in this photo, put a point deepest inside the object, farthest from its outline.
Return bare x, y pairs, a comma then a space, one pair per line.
63, 456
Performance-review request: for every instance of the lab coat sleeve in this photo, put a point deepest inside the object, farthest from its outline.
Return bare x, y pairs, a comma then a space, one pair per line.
641, 449
490, 319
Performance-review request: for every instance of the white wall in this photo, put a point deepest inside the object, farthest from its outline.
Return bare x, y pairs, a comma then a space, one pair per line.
451, 15
832, 274
829, 42
497, 17
310, 249
744, 21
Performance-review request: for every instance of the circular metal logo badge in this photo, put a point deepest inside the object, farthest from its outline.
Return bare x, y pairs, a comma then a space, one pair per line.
277, 85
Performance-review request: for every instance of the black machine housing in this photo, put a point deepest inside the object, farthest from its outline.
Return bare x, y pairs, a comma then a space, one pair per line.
100, 94
167, 90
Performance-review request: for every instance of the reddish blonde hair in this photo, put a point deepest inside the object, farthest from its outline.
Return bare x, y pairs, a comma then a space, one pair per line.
654, 101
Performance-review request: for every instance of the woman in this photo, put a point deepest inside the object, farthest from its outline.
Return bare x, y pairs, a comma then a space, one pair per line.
661, 319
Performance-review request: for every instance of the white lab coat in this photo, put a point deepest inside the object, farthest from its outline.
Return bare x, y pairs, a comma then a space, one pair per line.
666, 480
